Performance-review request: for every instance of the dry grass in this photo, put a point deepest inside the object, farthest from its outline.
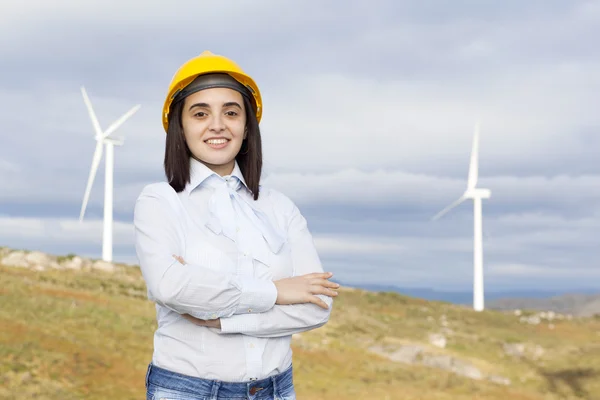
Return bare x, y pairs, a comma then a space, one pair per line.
88, 335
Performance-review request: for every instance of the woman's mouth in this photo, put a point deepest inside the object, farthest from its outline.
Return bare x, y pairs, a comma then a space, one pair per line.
217, 143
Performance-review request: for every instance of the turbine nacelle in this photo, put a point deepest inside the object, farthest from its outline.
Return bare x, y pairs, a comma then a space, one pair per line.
117, 141
477, 193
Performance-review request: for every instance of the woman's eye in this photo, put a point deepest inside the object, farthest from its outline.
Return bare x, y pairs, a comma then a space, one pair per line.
231, 113
200, 114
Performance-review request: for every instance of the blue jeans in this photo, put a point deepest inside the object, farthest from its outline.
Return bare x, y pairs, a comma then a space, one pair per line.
162, 384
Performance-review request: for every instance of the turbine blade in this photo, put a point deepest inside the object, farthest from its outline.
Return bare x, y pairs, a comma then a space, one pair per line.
474, 165
113, 127
95, 162
448, 208
88, 104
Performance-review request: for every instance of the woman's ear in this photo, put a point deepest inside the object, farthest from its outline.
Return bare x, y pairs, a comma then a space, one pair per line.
245, 133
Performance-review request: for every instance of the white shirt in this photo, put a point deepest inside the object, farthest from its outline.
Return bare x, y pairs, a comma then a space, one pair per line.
234, 248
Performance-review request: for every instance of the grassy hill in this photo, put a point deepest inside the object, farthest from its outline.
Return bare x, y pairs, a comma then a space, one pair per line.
87, 334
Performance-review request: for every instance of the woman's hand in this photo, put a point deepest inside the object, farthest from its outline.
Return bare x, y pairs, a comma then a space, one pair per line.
180, 259
209, 323
304, 288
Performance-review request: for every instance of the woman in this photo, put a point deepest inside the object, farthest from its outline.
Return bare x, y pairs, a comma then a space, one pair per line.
231, 265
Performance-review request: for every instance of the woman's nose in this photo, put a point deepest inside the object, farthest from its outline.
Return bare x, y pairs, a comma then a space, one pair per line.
217, 124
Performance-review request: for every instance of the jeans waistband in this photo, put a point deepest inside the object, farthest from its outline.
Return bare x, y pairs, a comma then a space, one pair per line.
213, 389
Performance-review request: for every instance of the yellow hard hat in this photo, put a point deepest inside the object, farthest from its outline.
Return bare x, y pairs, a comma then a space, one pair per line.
207, 63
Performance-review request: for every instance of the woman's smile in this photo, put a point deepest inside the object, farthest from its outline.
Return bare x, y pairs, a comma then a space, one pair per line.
217, 143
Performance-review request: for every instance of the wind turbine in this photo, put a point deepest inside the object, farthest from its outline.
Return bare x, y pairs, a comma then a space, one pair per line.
477, 194
104, 139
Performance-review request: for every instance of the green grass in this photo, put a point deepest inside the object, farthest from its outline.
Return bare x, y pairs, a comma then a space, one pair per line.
88, 335
68, 257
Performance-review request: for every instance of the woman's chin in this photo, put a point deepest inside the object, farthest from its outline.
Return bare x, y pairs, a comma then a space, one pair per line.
217, 160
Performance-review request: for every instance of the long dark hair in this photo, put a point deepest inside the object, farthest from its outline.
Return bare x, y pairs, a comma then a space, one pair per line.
177, 152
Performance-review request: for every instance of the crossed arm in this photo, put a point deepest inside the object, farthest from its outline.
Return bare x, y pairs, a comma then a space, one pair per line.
225, 301
301, 310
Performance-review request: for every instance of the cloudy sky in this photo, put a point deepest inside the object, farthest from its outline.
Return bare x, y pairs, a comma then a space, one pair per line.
369, 109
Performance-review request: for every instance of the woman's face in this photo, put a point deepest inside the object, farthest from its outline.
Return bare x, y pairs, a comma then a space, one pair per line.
214, 122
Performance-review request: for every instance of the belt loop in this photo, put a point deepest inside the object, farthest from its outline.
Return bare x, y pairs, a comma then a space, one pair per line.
275, 390
215, 390
146, 380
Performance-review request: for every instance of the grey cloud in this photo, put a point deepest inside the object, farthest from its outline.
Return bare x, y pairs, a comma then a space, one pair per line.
368, 121
387, 39
528, 112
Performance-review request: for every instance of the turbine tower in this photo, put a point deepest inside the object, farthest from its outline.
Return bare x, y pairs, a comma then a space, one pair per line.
104, 139
477, 194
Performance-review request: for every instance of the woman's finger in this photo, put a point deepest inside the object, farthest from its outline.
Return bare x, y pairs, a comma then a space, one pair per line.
179, 258
318, 281
324, 283
321, 290
328, 292
319, 302
318, 275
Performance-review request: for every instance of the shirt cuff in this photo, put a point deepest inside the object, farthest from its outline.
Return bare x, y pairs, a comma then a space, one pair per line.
240, 323
257, 296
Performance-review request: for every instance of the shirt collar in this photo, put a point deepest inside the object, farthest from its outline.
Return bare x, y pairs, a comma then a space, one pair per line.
200, 172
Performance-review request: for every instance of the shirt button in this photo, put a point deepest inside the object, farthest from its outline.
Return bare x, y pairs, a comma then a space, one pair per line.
251, 345
214, 316
249, 310
237, 228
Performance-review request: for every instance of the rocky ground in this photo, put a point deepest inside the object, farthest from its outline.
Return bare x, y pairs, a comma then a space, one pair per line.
88, 318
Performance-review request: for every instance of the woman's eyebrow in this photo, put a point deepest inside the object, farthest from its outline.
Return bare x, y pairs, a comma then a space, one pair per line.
228, 104
204, 105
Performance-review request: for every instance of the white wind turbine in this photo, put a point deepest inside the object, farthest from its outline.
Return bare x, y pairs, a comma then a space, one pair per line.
102, 139
477, 195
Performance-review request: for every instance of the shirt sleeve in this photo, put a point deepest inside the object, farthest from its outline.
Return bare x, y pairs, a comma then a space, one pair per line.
284, 320
188, 289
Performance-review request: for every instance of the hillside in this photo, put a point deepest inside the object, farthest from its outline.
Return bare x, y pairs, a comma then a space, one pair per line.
77, 329
584, 305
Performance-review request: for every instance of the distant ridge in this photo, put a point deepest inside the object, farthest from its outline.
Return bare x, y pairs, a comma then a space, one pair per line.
582, 305
585, 302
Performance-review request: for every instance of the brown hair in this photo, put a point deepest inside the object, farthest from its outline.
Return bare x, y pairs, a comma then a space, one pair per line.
177, 152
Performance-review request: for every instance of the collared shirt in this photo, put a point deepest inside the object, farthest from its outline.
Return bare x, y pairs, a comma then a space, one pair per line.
228, 274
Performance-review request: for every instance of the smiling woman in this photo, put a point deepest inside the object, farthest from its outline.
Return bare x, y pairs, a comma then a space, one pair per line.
215, 119
231, 265
214, 108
